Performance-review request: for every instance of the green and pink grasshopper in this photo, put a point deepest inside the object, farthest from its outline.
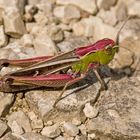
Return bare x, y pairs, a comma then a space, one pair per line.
45, 71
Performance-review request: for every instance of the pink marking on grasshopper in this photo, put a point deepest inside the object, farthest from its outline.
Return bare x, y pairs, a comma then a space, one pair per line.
52, 80
23, 62
99, 45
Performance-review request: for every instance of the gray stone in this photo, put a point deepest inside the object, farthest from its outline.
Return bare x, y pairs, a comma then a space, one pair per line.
6, 101
94, 27
67, 13
51, 131
86, 5
103, 4
119, 111
90, 111
13, 23
3, 127
21, 119
73, 42
70, 129
44, 45
3, 37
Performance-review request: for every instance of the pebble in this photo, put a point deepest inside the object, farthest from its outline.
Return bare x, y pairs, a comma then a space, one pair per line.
44, 45
3, 127
13, 23
60, 138
6, 101
70, 129
86, 5
90, 111
21, 119
51, 131
83, 129
103, 4
66, 13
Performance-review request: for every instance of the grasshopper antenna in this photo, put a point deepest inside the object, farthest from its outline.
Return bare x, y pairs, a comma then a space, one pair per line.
118, 34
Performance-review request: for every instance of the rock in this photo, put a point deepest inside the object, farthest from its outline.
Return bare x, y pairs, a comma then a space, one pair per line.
44, 45
41, 19
86, 5
16, 128
21, 119
19, 4
81, 137
70, 129
75, 121
36, 122
90, 111
1, 16
83, 129
9, 136
51, 131
55, 33
130, 30
3, 37
46, 7
34, 136
127, 57
109, 16
94, 27
66, 13
13, 23
33, 2
103, 4
91, 136
27, 40
6, 101
121, 11
133, 9
73, 42
3, 127
60, 138
119, 111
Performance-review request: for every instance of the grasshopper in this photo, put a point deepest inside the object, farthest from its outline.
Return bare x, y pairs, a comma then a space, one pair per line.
43, 71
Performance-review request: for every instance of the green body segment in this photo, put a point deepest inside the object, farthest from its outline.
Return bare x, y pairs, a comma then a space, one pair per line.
101, 57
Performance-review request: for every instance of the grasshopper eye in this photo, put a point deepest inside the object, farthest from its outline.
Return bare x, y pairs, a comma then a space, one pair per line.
109, 50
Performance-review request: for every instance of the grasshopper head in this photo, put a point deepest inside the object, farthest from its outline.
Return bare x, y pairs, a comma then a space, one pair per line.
99, 45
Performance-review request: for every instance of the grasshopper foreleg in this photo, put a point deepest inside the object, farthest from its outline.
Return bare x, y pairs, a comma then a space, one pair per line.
102, 82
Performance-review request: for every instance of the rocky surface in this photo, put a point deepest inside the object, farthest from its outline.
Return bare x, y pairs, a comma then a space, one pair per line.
30, 28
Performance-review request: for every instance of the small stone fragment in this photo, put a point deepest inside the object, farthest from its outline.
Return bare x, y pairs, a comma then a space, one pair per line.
3, 127
21, 119
67, 13
3, 37
13, 23
70, 129
6, 101
60, 138
103, 4
51, 131
90, 111
86, 5
83, 129
92, 136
